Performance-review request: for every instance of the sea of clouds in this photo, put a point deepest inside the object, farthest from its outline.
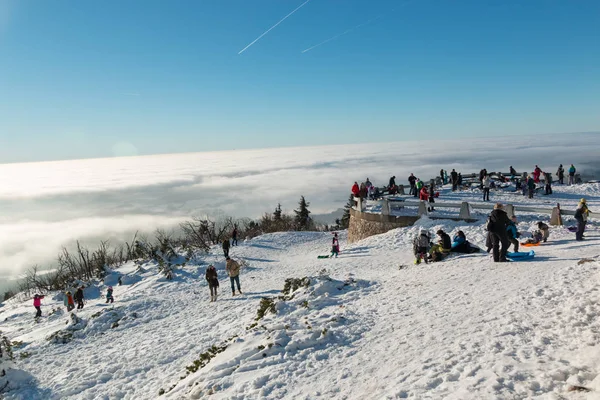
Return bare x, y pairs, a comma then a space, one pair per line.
47, 205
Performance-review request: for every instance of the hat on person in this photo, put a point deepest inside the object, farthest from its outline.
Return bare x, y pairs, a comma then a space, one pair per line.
582, 201
498, 206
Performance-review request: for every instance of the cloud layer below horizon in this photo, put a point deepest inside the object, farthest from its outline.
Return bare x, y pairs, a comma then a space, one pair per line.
51, 204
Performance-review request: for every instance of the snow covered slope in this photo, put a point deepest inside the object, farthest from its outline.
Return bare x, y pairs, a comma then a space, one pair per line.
358, 328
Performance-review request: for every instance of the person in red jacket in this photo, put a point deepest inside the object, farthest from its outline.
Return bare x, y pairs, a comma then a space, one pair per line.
37, 303
355, 189
424, 194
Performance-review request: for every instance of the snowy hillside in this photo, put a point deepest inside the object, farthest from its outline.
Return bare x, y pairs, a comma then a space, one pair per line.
359, 327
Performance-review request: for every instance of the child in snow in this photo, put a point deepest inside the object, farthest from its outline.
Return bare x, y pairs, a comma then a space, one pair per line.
512, 233
421, 245
69, 302
441, 249
537, 237
335, 246
545, 230
213, 282
37, 303
109, 295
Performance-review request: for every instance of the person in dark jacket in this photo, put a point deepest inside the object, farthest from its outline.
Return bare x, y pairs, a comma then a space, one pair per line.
445, 240
560, 173
530, 186
512, 233
442, 175
513, 172
581, 216
109, 295
213, 281
226, 246
234, 236
548, 181
497, 225
454, 179
411, 180
431, 196
392, 181
79, 298
545, 231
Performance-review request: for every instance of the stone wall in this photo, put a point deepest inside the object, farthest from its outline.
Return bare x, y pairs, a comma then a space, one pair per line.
363, 225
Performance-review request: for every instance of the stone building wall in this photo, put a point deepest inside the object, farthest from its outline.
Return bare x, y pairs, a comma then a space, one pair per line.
363, 225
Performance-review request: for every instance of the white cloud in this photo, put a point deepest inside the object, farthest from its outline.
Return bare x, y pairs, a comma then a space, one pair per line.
45, 205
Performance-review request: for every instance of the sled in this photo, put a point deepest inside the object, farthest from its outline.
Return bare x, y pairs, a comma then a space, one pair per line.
530, 244
521, 255
323, 256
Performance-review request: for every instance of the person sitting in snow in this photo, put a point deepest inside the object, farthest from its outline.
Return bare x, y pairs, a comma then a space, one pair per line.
536, 237
512, 233
545, 231
109, 295
421, 245
79, 298
213, 282
335, 246
68, 301
441, 249
37, 303
460, 244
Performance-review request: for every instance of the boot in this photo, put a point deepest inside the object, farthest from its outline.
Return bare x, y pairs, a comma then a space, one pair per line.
212, 298
240, 291
233, 293
215, 297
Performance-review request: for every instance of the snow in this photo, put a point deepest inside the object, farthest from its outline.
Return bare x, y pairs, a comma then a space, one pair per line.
464, 328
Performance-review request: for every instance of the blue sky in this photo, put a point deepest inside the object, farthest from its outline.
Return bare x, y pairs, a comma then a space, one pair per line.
102, 78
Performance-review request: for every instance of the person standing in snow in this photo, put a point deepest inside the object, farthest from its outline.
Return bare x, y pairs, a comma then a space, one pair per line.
225, 246
512, 233
418, 187
572, 171
37, 303
536, 174
431, 195
454, 179
363, 193
79, 298
368, 184
234, 235
109, 295
530, 186
581, 216
442, 175
411, 180
355, 189
513, 172
213, 282
560, 173
486, 182
233, 270
68, 301
424, 194
548, 179
392, 181
335, 246
497, 224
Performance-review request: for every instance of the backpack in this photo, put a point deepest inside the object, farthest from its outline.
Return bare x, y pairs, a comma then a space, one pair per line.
423, 241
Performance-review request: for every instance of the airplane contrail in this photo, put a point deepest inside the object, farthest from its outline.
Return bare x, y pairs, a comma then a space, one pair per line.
273, 27
342, 34
352, 29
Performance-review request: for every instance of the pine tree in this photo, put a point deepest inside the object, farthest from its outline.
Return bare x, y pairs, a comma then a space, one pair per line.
302, 220
345, 222
277, 213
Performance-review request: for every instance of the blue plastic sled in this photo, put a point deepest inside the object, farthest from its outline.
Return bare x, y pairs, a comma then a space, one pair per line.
521, 255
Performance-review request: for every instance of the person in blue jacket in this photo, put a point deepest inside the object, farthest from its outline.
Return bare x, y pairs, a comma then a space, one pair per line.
572, 171
512, 232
